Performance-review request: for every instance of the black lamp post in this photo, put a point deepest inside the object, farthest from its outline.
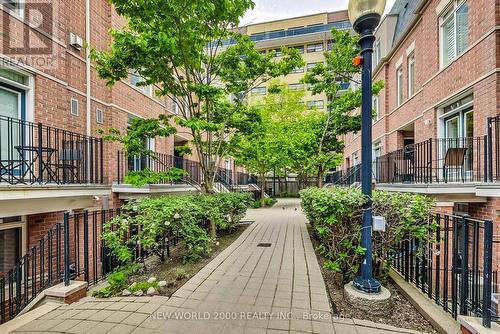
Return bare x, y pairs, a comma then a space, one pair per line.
365, 16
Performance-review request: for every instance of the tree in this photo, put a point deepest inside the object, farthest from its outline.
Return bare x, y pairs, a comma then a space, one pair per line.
181, 48
329, 78
269, 143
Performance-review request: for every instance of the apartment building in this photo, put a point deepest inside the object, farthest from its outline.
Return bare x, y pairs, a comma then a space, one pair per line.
310, 35
51, 105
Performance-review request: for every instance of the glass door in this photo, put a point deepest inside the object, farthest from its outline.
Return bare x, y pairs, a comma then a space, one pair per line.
459, 133
12, 104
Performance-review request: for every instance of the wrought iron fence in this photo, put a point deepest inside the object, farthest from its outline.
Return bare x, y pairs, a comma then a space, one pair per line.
435, 161
159, 163
35, 153
72, 249
455, 271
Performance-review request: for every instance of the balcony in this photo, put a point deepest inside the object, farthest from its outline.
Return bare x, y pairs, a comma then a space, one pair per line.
294, 32
226, 180
39, 163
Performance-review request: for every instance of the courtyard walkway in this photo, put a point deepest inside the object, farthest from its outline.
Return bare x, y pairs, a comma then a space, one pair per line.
267, 281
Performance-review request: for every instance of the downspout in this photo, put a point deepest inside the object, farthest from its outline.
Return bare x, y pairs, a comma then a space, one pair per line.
87, 88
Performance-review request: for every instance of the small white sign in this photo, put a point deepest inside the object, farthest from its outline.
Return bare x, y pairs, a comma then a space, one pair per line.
379, 223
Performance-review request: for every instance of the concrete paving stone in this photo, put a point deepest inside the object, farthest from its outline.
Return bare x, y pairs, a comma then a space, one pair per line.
276, 331
117, 306
40, 325
253, 330
82, 327
175, 301
132, 307
122, 329
85, 314
118, 316
301, 325
52, 314
346, 329
322, 327
66, 325
102, 327
281, 324
102, 315
135, 319
148, 308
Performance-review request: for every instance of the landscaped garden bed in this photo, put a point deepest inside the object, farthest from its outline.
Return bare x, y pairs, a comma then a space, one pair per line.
162, 242
335, 226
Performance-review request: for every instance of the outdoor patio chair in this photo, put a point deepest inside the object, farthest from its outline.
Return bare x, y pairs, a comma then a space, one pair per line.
454, 158
70, 162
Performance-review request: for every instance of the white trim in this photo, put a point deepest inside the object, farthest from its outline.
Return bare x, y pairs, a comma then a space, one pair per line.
410, 49
442, 6
19, 224
399, 63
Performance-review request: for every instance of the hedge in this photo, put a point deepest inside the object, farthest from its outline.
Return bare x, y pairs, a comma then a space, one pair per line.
335, 215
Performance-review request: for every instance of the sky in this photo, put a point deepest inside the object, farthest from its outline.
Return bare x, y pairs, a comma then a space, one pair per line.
268, 10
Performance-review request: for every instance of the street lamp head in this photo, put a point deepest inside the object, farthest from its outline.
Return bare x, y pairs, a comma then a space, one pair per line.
365, 14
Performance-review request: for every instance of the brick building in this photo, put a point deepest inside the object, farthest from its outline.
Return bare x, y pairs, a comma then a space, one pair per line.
51, 105
436, 126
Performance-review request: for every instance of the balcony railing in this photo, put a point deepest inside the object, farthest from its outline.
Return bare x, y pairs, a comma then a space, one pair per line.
227, 178
35, 153
445, 160
269, 35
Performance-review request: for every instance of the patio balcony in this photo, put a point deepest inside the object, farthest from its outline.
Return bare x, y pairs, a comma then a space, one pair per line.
39, 163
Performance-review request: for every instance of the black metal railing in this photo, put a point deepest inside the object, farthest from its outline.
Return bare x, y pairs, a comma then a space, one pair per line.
73, 249
493, 149
345, 178
160, 162
456, 271
444, 160
35, 153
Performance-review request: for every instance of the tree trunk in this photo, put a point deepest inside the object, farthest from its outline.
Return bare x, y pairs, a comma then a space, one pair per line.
262, 188
320, 178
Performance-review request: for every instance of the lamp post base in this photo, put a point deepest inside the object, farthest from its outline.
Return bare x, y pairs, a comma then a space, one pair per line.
379, 304
369, 285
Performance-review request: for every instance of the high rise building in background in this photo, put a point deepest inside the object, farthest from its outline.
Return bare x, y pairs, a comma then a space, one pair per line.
310, 35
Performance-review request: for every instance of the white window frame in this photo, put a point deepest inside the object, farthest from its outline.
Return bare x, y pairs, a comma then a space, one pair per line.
376, 53
376, 107
411, 76
259, 91
318, 104
450, 13
99, 116
18, 12
296, 86
399, 86
146, 90
77, 107
315, 47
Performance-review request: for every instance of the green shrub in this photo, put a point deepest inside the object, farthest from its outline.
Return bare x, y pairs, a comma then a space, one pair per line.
117, 281
180, 274
144, 286
335, 215
157, 219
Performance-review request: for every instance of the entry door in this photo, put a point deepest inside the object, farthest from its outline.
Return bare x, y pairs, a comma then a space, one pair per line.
11, 115
459, 131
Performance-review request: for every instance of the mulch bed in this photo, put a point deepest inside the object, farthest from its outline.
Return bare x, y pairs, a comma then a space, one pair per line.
404, 315
169, 270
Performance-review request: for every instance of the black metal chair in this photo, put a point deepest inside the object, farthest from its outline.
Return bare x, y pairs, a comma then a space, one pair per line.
70, 162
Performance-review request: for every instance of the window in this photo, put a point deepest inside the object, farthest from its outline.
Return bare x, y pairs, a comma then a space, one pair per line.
278, 52
136, 79
317, 47
259, 91
329, 45
310, 66
175, 105
15, 6
376, 107
299, 48
454, 31
411, 75
13, 76
399, 81
298, 70
74, 107
99, 116
376, 53
296, 86
316, 104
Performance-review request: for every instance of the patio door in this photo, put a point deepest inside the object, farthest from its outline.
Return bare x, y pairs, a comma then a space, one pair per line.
459, 133
12, 114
